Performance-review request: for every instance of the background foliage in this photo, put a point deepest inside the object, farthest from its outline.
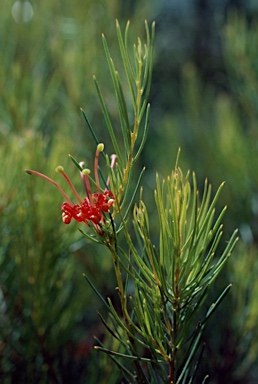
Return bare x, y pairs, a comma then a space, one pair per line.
204, 99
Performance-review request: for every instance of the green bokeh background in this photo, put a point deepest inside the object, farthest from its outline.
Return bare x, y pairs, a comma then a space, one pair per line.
204, 100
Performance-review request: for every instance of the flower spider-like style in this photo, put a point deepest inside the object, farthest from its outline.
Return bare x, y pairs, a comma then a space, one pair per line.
94, 205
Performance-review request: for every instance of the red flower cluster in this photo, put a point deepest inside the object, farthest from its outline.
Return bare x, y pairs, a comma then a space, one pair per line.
94, 205
88, 210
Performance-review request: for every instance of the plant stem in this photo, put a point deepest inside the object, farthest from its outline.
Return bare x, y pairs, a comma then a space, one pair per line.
134, 133
140, 378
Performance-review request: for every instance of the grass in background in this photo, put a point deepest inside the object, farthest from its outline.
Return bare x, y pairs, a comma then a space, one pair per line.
47, 313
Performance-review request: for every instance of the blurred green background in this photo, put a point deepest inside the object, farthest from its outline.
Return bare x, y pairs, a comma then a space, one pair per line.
204, 99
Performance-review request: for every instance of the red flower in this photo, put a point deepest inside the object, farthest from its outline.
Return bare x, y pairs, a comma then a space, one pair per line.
94, 205
92, 211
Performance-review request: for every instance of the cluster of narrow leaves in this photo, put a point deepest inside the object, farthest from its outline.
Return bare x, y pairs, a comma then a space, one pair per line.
161, 331
138, 73
161, 287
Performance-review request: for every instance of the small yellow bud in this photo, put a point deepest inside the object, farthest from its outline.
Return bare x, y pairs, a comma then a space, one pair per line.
100, 147
86, 171
59, 169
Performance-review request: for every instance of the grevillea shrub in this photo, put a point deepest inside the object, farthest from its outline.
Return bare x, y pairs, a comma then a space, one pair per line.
162, 284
